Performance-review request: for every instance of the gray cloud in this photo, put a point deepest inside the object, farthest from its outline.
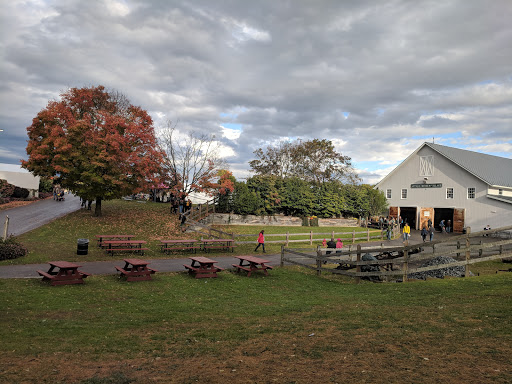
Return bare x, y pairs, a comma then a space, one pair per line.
380, 76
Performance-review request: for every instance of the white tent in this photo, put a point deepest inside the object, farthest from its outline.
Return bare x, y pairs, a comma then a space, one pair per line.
20, 177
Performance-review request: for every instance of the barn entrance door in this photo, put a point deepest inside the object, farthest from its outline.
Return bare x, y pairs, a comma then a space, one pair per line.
425, 215
394, 212
459, 215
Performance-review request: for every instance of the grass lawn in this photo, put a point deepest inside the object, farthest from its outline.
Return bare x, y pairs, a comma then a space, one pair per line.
289, 327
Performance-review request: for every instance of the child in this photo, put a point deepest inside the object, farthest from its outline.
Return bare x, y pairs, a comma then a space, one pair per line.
261, 241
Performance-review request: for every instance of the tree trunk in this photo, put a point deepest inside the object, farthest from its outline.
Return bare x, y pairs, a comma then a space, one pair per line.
97, 209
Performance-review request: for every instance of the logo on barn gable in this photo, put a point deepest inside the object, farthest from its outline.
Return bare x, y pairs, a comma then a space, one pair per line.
427, 165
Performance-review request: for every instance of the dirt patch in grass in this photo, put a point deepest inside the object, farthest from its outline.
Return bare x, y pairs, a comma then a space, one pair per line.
334, 356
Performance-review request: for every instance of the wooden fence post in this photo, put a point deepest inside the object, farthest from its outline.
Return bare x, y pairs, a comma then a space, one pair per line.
282, 255
6, 227
332, 235
354, 236
287, 238
468, 256
480, 251
367, 234
358, 259
310, 237
458, 247
406, 265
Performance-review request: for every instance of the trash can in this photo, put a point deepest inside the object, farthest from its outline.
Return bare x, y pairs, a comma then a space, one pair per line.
82, 246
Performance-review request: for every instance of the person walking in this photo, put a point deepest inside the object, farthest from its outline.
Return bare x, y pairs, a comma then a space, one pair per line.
431, 232
424, 233
441, 225
261, 241
406, 231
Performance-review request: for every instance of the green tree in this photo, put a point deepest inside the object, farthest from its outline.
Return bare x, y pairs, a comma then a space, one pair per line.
245, 201
330, 199
315, 160
297, 197
267, 187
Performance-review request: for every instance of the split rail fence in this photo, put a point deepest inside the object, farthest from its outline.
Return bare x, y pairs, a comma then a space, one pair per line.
470, 247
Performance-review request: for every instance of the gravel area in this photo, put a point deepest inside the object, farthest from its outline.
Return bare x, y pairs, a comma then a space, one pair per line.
439, 273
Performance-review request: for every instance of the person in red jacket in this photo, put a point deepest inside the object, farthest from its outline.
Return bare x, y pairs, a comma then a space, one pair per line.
261, 241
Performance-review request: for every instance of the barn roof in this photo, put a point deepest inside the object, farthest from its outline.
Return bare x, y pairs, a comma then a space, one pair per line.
493, 170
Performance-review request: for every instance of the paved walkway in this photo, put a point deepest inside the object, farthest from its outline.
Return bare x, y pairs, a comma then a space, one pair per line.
32, 216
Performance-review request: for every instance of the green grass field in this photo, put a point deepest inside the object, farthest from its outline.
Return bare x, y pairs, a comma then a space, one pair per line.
289, 327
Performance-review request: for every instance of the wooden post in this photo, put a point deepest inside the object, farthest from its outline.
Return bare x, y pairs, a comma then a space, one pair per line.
332, 235
282, 255
406, 265
6, 227
354, 237
468, 256
367, 234
310, 237
358, 259
287, 238
458, 247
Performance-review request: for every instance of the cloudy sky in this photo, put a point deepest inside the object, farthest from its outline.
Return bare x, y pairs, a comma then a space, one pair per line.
378, 78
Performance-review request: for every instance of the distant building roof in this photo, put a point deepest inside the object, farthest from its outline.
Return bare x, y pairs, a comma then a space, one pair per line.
493, 170
18, 176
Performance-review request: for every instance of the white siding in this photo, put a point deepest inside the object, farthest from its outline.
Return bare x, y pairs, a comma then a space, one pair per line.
480, 211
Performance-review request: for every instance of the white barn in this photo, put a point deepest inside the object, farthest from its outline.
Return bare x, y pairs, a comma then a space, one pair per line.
438, 182
20, 177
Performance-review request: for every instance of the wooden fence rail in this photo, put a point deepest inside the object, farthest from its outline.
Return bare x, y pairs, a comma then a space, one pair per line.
352, 237
316, 259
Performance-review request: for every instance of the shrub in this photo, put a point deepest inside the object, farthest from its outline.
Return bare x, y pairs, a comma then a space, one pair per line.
6, 189
10, 248
20, 193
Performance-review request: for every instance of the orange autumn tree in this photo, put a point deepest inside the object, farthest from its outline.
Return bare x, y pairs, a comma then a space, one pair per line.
96, 144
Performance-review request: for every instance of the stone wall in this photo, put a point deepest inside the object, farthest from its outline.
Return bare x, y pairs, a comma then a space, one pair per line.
289, 221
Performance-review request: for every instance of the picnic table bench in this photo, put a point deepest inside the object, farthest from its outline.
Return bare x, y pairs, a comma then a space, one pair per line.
222, 244
125, 246
251, 264
203, 267
102, 238
136, 270
63, 273
179, 245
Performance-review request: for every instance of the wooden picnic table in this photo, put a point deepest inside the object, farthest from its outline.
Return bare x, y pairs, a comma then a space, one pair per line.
222, 244
136, 270
125, 246
251, 264
63, 273
203, 267
179, 245
102, 238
